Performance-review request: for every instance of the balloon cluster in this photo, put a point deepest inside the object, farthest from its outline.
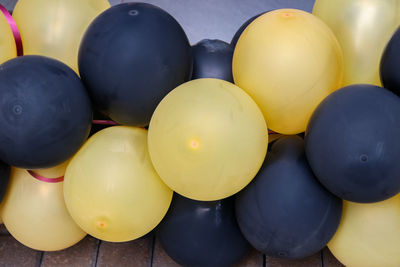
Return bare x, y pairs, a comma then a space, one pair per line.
193, 120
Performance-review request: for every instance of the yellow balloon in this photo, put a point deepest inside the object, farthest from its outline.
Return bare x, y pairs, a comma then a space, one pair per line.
8, 48
54, 28
34, 212
288, 61
363, 28
111, 188
368, 234
207, 139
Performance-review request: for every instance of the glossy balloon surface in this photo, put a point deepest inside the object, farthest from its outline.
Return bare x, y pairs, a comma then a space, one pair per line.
363, 28
288, 61
207, 139
34, 212
111, 189
54, 28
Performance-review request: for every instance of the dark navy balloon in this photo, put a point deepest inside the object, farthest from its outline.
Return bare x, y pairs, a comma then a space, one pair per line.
4, 179
130, 57
45, 112
352, 143
285, 212
390, 64
202, 233
212, 59
239, 32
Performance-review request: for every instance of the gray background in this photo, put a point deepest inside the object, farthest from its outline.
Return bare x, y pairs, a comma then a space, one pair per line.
211, 19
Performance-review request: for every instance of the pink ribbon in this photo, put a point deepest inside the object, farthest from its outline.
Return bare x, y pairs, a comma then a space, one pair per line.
104, 122
14, 29
44, 179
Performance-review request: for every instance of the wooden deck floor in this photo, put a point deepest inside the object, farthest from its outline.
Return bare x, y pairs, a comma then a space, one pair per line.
146, 252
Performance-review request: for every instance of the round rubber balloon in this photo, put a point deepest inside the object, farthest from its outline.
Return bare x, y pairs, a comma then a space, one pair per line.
288, 61
390, 64
202, 233
4, 179
131, 56
45, 112
34, 211
207, 139
55, 28
8, 48
111, 189
352, 143
212, 59
363, 28
368, 234
285, 212
239, 32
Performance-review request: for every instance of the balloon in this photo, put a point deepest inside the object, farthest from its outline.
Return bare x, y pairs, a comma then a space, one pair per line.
4, 179
212, 59
207, 139
285, 212
111, 189
34, 211
44, 111
362, 27
55, 28
131, 56
368, 234
390, 64
200, 233
288, 61
352, 143
8, 49
239, 32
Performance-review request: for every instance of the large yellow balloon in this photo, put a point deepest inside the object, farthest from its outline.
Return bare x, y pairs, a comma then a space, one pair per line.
111, 189
369, 234
207, 139
34, 212
363, 28
8, 48
288, 61
54, 28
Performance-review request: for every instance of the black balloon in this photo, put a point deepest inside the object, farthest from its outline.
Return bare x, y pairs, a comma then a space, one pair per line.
390, 64
212, 59
285, 212
352, 143
4, 179
130, 57
202, 233
45, 112
239, 32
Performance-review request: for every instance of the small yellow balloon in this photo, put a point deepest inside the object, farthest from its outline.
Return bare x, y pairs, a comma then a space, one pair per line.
363, 28
34, 211
207, 139
8, 48
54, 28
111, 188
288, 61
368, 234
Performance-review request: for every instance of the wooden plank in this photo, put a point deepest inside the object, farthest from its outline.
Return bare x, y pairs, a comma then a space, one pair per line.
161, 258
312, 261
329, 259
82, 254
253, 259
13, 253
134, 253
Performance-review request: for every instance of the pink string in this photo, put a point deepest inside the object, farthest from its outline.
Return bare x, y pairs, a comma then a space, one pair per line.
14, 29
44, 179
